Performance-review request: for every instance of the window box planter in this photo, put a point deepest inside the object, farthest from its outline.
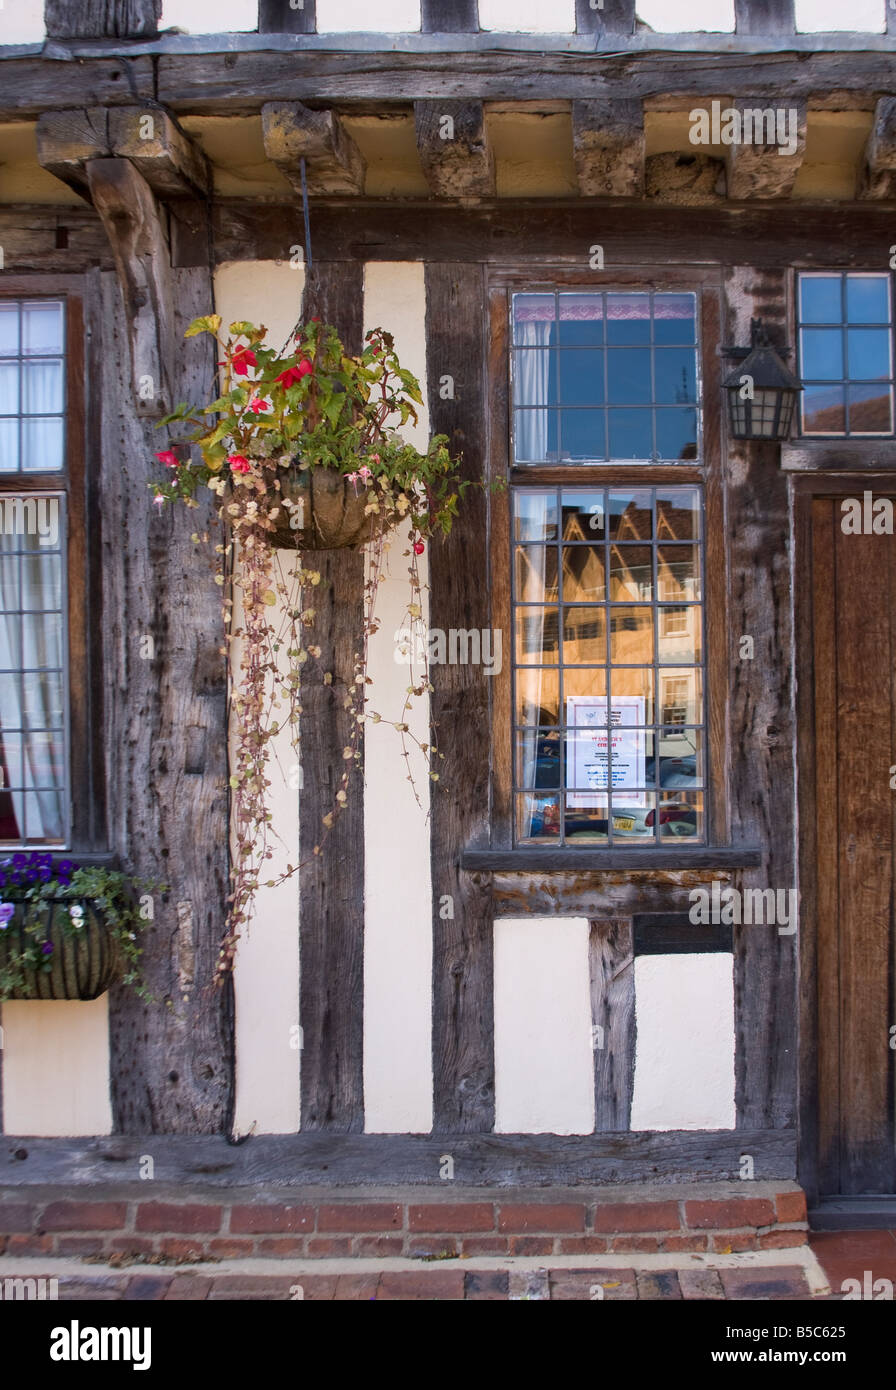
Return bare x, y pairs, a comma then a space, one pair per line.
82, 964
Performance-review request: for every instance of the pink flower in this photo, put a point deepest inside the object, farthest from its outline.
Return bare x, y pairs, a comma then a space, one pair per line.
419, 547
242, 360
364, 472
158, 500
257, 405
169, 458
239, 464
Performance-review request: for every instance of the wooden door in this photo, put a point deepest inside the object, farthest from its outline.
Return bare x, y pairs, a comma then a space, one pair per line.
854, 660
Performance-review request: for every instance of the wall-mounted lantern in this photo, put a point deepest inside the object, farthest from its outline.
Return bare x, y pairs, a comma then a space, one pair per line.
762, 391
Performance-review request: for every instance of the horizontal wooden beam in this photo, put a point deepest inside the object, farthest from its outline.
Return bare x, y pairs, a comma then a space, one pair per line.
453, 144
560, 235
757, 169
333, 162
879, 173
608, 148
335, 1160
171, 163
306, 68
594, 861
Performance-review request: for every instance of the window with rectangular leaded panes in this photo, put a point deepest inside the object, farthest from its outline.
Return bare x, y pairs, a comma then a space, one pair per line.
845, 323
608, 665
600, 376
34, 783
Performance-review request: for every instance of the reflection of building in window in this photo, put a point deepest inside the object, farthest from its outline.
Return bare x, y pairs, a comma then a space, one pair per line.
675, 704
674, 622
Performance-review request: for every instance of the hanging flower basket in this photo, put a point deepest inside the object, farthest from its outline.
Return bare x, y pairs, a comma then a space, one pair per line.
79, 964
322, 510
67, 931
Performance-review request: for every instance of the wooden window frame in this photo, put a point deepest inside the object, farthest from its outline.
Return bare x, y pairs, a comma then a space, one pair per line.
502, 475
86, 811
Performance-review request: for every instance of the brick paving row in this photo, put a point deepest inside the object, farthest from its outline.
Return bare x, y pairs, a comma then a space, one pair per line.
454, 1285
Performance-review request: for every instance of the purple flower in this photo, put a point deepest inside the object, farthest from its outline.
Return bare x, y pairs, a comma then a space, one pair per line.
64, 871
19, 861
7, 910
47, 948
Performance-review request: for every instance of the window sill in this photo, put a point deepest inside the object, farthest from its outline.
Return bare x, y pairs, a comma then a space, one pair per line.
537, 860
838, 455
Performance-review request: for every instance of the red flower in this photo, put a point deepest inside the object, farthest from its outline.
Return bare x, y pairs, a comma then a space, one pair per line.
239, 464
419, 547
242, 360
169, 458
256, 404
293, 375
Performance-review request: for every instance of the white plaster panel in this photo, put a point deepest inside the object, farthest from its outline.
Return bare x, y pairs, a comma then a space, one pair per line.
398, 890
55, 1062
544, 1066
684, 1059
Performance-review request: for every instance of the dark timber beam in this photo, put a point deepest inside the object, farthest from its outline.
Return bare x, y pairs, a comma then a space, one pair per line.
879, 175
449, 16
605, 16
114, 19
331, 884
612, 971
170, 162
287, 16
608, 148
759, 170
333, 162
454, 149
764, 17
130, 215
463, 948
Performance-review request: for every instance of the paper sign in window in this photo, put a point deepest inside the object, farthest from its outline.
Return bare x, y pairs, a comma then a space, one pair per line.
604, 752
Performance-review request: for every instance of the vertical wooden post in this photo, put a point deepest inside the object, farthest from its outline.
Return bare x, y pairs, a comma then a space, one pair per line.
165, 722
761, 718
100, 19
449, 16
613, 1021
331, 884
463, 950
764, 17
610, 17
282, 17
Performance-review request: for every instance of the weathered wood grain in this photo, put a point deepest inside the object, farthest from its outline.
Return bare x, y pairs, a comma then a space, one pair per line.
764, 17
763, 733
449, 16
117, 19
608, 17
280, 17
111, 1166
131, 217
879, 169
168, 159
864, 601
592, 895
31, 241
608, 148
527, 233
463, 949
539, 857
842, 455
331, 884
765, 171
612, 968
171, 1059
333, 162
454, 149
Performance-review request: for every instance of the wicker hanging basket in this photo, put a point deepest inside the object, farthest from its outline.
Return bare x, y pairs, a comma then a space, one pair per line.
322, 511
81, 965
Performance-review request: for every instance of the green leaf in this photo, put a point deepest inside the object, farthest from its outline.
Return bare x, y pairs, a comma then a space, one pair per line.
208, 323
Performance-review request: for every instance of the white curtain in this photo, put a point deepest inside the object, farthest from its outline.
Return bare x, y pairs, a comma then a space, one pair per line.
33, 739
535, 369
